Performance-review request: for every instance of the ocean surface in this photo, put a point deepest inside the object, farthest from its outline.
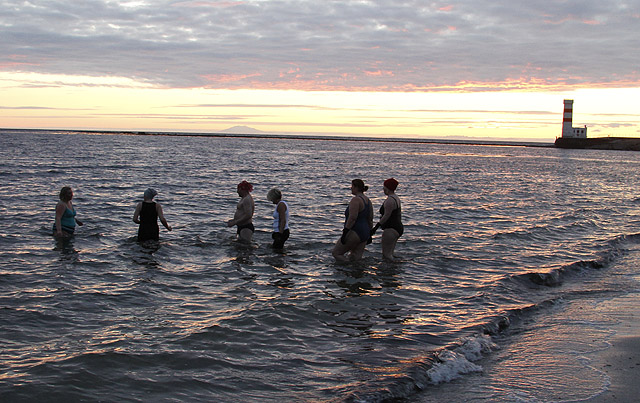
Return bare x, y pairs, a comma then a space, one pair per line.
505, 251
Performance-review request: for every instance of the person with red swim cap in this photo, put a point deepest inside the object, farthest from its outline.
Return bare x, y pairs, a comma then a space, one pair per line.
391, 220
244, 212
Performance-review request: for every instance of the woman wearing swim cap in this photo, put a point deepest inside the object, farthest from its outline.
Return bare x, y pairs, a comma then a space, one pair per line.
391, 220
280, 232
357, 226
146, 215
244, 212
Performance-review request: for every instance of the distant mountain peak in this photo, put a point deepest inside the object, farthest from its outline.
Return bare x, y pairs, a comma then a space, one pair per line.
242, 130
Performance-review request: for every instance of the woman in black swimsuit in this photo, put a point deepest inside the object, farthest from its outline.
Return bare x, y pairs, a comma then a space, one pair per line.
391, 220
147, 214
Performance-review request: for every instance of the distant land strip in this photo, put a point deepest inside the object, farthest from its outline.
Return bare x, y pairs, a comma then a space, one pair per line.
505, 143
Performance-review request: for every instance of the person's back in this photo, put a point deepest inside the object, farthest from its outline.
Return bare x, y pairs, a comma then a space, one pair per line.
361, 227
146, 216
148, 229
395, 219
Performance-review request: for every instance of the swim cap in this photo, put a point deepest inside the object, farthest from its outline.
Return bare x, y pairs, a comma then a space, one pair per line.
391, 184
150, 193
274, 194
244, 185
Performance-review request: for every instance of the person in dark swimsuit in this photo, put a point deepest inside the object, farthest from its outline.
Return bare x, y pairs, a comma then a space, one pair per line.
146, 215
357, 226
244, 212
65, 221
391, 220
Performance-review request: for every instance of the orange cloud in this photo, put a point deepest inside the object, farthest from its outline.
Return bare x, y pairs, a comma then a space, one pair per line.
379, 73
570, 18
227, 78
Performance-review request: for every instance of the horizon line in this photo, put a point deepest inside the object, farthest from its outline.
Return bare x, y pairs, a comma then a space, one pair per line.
327, 137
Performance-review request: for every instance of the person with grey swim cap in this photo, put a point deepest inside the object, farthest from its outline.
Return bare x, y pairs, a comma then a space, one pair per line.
146, 215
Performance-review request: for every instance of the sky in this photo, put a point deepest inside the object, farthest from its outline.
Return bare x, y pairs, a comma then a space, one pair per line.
388, 68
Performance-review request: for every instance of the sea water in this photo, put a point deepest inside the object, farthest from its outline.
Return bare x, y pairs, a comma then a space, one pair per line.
502, 247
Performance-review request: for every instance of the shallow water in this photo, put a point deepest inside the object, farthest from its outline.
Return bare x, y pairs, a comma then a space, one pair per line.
495, 238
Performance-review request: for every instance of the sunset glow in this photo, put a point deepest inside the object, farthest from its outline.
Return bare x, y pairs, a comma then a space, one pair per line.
392, 71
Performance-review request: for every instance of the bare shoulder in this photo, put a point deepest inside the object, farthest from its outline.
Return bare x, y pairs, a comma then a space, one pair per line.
389, 200
246, 201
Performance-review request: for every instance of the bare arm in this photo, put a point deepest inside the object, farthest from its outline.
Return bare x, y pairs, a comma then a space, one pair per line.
60, 209
80, 223
282, 211
388, 209
354, 209
161, 216
136, 214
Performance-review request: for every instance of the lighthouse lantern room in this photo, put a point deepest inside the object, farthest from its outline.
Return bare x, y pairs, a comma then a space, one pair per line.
567, 122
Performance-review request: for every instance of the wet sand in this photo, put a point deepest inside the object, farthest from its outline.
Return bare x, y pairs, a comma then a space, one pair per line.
621, 362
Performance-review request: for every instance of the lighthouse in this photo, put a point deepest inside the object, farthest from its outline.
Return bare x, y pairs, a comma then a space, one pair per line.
568, 131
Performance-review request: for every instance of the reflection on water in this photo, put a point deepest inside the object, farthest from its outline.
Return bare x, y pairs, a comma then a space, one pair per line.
141, 253
65, 246
238, 322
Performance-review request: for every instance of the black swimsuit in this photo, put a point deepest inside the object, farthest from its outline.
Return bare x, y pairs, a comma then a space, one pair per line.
246, 226
395, 219
148, 228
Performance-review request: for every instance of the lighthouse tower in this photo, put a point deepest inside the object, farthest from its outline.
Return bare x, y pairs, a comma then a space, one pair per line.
568, 131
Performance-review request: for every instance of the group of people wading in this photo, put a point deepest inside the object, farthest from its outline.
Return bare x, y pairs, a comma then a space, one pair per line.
357, 233
358, 225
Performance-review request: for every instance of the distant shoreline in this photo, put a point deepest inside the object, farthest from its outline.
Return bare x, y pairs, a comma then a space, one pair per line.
502, 143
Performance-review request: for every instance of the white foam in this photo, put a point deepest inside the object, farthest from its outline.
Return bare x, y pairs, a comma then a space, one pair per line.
454, 363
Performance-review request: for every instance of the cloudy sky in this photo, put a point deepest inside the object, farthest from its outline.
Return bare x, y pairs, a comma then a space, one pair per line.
389, 67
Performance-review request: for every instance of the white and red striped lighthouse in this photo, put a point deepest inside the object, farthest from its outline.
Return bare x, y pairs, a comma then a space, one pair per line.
567, 123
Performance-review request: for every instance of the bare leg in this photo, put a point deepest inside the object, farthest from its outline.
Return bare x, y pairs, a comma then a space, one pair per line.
340, 249
388, 242
245, 235
358, 251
